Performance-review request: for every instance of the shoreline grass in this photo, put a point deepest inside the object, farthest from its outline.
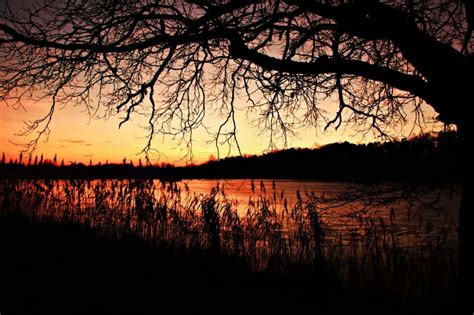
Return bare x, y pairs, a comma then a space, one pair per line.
293, 250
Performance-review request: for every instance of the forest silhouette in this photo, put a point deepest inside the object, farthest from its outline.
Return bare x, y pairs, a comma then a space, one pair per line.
420, 158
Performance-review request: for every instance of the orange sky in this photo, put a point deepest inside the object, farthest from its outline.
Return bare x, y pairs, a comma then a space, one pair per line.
76, 138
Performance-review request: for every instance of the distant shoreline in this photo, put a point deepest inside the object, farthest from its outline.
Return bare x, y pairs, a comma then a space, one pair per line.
422, 159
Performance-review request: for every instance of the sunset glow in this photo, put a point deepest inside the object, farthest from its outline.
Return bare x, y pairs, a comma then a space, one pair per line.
76, 138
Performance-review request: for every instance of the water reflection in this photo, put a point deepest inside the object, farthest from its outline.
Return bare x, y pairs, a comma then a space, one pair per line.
427, 207
261, 220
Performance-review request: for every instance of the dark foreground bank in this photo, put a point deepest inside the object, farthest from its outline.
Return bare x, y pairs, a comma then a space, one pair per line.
65, 268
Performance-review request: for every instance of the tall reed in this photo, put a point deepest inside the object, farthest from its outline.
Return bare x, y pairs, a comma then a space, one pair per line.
272, 234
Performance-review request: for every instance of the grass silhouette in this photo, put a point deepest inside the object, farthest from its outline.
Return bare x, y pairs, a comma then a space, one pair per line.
101, 245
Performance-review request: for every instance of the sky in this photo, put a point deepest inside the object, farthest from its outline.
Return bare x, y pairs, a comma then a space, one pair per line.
75, 137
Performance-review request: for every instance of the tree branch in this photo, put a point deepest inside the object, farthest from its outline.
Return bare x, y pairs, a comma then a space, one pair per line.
410, 83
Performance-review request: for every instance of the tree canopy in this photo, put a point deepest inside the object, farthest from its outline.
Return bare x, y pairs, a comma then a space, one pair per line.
174, 60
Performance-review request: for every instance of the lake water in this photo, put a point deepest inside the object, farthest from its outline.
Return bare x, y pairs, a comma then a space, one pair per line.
347, 209
437, 204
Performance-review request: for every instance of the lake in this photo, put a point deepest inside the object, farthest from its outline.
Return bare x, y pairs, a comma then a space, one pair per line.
416, 209
255, 218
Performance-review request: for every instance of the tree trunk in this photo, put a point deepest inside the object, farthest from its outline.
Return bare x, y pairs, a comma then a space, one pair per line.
466, 230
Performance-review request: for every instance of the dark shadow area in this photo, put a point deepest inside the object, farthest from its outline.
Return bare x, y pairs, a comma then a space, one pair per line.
50, 268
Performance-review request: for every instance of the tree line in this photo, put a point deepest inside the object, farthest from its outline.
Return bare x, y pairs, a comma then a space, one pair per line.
425, 157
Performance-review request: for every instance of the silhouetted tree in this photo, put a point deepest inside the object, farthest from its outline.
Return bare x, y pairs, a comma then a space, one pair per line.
3, 158
55, 159
380, 59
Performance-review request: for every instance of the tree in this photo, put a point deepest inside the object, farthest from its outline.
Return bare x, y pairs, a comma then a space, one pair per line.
174, 59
